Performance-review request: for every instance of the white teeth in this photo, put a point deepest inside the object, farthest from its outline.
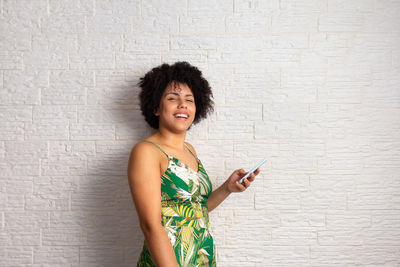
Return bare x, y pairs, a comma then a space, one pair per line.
181, 116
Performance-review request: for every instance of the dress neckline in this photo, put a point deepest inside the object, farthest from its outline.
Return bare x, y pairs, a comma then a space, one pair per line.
179, 161
169, 156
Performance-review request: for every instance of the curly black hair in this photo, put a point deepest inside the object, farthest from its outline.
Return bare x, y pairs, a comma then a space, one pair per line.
155, 81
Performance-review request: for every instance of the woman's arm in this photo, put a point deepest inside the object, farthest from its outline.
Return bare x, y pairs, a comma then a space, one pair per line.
230, 185
217, 196
144, 182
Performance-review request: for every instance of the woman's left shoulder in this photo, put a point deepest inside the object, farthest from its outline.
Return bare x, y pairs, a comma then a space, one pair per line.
191, 148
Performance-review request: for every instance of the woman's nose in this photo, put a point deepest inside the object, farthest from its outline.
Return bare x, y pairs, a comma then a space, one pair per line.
182, 103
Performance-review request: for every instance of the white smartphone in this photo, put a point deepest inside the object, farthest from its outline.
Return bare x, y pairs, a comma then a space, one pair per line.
253, 170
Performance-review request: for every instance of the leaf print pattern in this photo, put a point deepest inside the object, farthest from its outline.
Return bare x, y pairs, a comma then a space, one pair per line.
184, 214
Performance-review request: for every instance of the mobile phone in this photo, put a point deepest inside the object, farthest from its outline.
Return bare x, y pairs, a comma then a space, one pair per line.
253, 170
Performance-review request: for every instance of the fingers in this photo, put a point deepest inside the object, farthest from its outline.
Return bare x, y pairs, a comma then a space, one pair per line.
241, 171
240, 186
252, 176
246, 182
243, 186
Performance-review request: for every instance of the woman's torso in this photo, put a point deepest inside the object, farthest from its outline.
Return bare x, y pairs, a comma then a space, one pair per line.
184, 214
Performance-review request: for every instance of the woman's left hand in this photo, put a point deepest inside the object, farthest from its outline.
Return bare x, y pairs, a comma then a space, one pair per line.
233, 184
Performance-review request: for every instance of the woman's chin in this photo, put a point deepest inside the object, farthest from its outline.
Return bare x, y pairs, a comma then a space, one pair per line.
178, 128
182, 129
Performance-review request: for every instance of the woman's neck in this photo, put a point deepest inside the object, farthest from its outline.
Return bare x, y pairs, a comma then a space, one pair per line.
173, 140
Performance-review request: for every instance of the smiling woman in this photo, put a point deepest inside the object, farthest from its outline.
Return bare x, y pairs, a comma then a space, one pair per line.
171, 189
155, 82
176, 103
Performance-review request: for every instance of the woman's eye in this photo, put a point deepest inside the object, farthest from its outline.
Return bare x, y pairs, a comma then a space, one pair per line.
190, 100
171, 98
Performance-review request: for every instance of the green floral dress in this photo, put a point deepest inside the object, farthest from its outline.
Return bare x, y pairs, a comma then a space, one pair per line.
184, 214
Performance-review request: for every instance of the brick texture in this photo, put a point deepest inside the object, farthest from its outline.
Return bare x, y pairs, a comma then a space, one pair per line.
313, 85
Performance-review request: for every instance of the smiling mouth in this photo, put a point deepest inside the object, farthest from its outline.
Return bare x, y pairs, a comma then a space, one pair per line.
181, 116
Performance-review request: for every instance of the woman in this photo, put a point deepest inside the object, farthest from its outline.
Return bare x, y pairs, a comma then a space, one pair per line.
173, 210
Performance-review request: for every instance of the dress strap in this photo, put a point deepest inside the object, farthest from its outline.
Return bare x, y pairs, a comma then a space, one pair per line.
157, 146
191, 151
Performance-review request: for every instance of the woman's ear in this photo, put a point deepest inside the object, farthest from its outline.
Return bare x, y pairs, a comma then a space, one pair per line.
156, 112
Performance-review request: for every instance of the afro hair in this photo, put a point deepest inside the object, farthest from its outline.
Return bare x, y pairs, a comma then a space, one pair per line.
154, 83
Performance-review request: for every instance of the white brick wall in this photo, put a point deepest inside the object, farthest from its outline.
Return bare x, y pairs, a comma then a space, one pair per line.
314, 85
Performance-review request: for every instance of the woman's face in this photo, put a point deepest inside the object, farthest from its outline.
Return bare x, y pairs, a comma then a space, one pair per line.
177, 108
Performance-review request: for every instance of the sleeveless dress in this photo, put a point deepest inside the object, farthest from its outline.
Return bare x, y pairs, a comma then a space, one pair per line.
184, 214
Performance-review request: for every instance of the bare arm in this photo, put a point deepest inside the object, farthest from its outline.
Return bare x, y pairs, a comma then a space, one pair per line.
144, 182
230, 185
217, 196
